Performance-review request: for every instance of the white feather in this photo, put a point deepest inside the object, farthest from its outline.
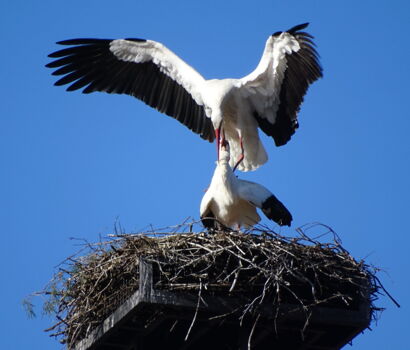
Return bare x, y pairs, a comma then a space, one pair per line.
169, 63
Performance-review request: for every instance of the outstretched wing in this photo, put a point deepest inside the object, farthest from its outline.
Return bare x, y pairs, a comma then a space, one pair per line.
275, 89
141, 68
262, 198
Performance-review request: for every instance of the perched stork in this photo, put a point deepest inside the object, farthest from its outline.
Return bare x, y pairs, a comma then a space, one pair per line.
268, 98
232, 202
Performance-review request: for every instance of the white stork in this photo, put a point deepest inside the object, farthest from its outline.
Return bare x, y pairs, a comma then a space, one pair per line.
268, 98
232, 202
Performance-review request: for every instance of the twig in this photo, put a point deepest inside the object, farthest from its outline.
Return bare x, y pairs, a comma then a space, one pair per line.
196, 310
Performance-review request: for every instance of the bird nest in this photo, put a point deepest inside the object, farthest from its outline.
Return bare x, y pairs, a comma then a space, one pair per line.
258, 265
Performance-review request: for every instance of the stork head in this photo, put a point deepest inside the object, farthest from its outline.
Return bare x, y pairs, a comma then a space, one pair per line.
224, 155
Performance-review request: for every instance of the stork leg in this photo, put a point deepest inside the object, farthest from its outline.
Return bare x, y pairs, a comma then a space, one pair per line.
223, 140
218, 141
241, 156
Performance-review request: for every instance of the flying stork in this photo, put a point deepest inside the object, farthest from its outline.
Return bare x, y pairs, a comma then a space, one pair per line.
268, 98
232, 202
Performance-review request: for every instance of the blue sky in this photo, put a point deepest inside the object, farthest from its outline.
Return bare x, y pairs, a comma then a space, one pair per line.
72, 164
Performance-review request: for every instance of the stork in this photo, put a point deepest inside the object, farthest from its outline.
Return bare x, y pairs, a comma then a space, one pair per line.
268, 98
232, 202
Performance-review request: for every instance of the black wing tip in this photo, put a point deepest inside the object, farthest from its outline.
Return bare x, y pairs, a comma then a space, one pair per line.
138, 40
282, 139
90, 41
54, 54
297, 28
82, 41
276, 211
292, 30
77, 44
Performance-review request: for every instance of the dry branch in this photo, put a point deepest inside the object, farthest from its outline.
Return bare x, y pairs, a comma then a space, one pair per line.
258, 265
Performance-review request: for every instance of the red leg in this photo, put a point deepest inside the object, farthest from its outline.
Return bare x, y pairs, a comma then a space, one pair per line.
218, 141
223, 137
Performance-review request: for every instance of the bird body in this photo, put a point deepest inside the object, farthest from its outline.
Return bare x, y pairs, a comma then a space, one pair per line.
227, 104
232, 202
269, 98
222, 200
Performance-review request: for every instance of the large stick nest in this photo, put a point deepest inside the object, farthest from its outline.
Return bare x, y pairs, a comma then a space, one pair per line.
259, 264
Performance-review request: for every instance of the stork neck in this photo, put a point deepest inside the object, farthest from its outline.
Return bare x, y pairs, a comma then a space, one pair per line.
225, 169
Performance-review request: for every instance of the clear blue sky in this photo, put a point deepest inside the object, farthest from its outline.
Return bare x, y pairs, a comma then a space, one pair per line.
71, 164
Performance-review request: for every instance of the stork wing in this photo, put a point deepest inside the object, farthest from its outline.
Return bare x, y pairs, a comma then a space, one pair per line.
141, 68
262, 198
275, 89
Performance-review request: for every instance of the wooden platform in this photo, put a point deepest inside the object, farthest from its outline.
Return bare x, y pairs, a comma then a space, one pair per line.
158, 319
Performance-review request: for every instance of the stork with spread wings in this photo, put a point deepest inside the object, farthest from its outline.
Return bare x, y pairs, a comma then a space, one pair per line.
269, 98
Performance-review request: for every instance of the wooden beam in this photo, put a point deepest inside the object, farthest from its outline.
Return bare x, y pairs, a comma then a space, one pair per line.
145, 280
119, 315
